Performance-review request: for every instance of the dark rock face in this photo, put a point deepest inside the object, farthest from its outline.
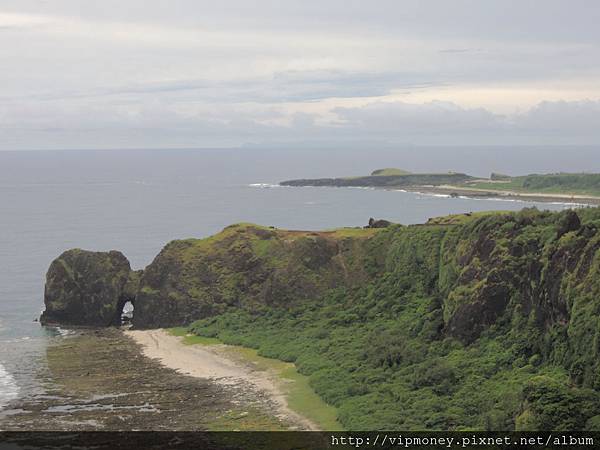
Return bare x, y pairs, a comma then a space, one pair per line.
88, 288
470, 319
381, 223
569, 222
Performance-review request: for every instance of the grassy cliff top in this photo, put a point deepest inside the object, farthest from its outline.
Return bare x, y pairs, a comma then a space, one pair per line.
389, 171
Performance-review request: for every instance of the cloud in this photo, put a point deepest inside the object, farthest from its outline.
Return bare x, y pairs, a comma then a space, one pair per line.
579, 118
428, 118
206, 73
10, 21
158, 125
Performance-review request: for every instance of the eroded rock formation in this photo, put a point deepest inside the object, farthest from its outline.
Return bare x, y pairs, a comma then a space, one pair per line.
87, 288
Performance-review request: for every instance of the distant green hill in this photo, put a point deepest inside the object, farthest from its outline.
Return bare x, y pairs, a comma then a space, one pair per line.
389, 171
383, 178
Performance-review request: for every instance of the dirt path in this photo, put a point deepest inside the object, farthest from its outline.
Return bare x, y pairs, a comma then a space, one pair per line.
214, 363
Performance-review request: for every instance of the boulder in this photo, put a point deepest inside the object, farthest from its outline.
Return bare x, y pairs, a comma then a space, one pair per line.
86, 288
381, 223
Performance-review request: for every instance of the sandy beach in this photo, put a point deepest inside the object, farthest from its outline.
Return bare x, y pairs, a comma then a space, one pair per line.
214, 363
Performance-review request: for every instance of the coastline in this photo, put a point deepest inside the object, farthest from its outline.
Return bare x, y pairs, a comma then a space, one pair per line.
482, 194
228, 369
473, 193
100, 380
575, 199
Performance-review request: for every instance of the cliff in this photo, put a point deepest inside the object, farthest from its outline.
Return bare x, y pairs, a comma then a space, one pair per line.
472, 313
245, 266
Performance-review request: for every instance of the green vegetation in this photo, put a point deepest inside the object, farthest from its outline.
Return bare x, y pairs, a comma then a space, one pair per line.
245, 265
389, 171
299, 394
556, 183
387, 178
486, 321
192, 339
587, 184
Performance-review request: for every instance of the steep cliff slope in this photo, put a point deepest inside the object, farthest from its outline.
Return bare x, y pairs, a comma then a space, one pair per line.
246, 266
488, 322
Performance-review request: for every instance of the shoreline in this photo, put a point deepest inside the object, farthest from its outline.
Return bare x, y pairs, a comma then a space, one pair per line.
97, 379
575, 199
482, 194
215, 363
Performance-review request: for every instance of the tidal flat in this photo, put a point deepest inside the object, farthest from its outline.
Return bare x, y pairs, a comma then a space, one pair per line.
100, 380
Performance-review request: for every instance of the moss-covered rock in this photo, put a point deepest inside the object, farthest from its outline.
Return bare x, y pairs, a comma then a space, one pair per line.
88, 288
245, 266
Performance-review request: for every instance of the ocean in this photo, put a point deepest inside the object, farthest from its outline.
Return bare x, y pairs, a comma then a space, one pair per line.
138, 200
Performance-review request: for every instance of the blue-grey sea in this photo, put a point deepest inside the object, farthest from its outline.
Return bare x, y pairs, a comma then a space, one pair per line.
137, 200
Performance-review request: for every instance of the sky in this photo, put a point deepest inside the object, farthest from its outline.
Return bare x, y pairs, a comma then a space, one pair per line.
193, 73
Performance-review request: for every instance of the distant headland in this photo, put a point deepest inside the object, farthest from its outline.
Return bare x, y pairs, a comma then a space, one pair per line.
563, 187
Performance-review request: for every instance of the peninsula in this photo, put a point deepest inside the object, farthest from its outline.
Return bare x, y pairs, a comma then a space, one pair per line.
472, 321
581, 188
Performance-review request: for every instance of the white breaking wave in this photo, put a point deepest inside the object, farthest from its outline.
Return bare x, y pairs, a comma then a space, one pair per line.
566, 204
8, 387
265, 185
63, 332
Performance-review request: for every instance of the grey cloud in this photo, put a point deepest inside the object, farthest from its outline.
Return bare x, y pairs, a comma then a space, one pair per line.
414, 119
530, 20
429, 123
233, 67
581, 119
291, 86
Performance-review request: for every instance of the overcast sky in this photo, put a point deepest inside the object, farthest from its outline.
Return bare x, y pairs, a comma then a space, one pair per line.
189, 73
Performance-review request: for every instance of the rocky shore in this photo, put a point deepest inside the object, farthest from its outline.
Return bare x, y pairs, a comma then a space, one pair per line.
99, 379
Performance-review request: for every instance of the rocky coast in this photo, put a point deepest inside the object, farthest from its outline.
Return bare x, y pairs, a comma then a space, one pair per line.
99, 379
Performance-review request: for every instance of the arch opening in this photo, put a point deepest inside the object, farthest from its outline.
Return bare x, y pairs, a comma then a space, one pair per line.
126, 318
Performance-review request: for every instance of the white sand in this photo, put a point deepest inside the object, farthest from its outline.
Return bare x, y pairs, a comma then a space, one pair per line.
212, 362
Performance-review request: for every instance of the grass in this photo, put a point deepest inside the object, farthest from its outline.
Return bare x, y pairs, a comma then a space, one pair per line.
389, 171
301, 398
191, 339
459, 219
563, 183
353, 232
247, 419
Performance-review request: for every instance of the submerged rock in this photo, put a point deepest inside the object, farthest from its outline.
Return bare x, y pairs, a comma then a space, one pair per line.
88, 288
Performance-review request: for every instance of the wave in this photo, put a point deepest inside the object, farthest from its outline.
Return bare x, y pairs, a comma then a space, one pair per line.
265, 185
8, 387
64, 333
566, 204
